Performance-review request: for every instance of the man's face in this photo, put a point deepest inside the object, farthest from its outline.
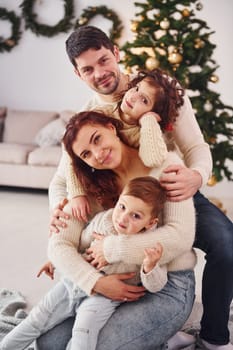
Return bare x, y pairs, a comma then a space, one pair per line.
99, 69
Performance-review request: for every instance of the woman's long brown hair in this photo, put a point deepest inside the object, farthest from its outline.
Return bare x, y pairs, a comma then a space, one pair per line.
99, 184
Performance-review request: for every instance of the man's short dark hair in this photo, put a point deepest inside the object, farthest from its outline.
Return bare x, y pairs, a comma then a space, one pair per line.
85, 38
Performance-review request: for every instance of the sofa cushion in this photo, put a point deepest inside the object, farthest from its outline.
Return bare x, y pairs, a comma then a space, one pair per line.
66, 115
46, 156
51, 134
22, 126
14, 153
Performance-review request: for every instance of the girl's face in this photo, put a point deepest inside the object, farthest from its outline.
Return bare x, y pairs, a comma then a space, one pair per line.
131, 215
98, 146
137, 101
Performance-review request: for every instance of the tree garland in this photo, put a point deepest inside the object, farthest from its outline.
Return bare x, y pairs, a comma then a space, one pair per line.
42, 29
9, 43
93, 11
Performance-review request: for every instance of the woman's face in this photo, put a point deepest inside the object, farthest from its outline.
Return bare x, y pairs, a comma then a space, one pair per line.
98, 146
137, 101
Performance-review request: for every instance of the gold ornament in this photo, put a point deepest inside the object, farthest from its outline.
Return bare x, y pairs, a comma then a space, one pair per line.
198, 43
185, 12
212, 140
212, 181
218, 204
134, 26
214, 78
175, 58
82, 21
10, 42
165, 24
151, 63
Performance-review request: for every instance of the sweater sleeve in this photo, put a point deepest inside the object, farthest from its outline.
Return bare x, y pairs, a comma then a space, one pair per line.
63, 253
176, 236
152, 148
154, 280
190, 141
57, 187
74, 187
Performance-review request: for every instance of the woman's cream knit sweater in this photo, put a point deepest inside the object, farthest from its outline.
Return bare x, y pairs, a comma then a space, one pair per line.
176, 236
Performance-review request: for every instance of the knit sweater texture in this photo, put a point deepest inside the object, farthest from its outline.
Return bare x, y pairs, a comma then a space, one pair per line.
176, 236
186, 139
153, 281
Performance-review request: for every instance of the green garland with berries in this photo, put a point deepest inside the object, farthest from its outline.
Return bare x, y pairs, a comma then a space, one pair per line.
62, 26
42, 29
8, 43
93, 11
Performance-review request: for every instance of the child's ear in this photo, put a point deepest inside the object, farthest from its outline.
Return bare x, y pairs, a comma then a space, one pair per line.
153, 221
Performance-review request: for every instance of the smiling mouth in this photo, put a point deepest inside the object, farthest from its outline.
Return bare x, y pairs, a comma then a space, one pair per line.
106, 81
128, 104
121, 225
106, 159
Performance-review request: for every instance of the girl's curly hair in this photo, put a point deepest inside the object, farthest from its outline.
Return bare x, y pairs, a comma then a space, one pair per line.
168, 94
99, 184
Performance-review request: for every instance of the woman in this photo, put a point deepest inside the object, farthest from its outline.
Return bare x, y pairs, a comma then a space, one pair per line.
104, 163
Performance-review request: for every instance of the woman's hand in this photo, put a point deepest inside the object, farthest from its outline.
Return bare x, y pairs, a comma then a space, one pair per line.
56, 216
114, 288
96, 252
180, 182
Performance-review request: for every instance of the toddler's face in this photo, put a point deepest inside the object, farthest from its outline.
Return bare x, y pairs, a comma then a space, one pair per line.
137, 101
131, 215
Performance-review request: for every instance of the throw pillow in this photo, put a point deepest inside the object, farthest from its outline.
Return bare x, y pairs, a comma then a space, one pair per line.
51, 134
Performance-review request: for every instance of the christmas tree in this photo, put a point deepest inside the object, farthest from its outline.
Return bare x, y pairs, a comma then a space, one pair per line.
167, 34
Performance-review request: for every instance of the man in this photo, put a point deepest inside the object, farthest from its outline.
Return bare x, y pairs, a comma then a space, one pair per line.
95, 60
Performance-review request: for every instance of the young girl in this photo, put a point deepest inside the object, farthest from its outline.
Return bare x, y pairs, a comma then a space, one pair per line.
152, 97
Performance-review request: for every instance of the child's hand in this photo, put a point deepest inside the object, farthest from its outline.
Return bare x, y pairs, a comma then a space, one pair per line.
151, 114
80, 208
48, 269
152, 256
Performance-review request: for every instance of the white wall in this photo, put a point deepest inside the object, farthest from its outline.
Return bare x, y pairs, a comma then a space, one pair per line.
36, 74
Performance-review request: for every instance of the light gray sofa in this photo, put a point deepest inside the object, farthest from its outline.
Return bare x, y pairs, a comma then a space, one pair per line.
30, 147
